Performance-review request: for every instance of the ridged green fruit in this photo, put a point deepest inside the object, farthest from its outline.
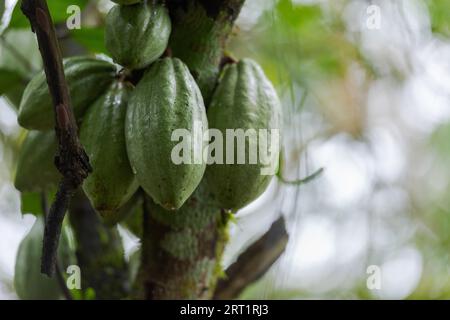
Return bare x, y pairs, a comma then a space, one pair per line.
87, 78
244, 99
167, 98
35, 169
112, 181
137, 35
29, 283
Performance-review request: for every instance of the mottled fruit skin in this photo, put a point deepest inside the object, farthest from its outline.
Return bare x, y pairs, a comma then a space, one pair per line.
112, 181
244, 99
29, 283
166, 98
35, 168
137, 35
87, 79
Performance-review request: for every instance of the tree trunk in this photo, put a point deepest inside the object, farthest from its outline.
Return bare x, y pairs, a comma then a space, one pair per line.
182, 250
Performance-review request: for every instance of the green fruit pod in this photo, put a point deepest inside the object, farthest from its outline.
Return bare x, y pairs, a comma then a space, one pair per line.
137, 35
35, 168
244, 100
29, 283
112, 182
86, 77
166, 99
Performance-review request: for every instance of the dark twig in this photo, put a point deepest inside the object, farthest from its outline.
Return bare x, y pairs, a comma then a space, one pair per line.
71, 159
254, 262
59, 277
62, 283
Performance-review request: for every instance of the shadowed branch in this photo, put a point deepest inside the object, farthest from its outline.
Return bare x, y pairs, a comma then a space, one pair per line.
71, 159
254, 262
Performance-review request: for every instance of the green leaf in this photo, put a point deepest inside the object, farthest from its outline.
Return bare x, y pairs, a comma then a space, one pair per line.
18, 20
57, 8
2, 8
31, 202
89, 294
305, 43
92, 39
440, 141
8, 80
14, 95
19, 52
440, 13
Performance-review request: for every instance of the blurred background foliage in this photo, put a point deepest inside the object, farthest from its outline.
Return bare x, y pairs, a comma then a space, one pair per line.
370, 105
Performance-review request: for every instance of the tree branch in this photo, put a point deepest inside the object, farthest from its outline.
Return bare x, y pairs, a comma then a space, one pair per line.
71, 159
254, 262
59, 276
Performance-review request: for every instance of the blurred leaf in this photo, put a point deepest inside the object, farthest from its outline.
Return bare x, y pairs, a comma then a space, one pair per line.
8, 80
440, 16
301, 42
31, 202
19, 52
89, 294
92, 39
440, 141
15, 67
300, 17
58, 11
29, 283
2, 8
14, 94
76, 294
18, 20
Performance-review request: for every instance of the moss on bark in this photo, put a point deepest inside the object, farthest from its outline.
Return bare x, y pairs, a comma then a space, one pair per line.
180, 258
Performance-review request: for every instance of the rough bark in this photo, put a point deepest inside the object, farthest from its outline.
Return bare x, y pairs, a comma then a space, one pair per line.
181, 250
200, 31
